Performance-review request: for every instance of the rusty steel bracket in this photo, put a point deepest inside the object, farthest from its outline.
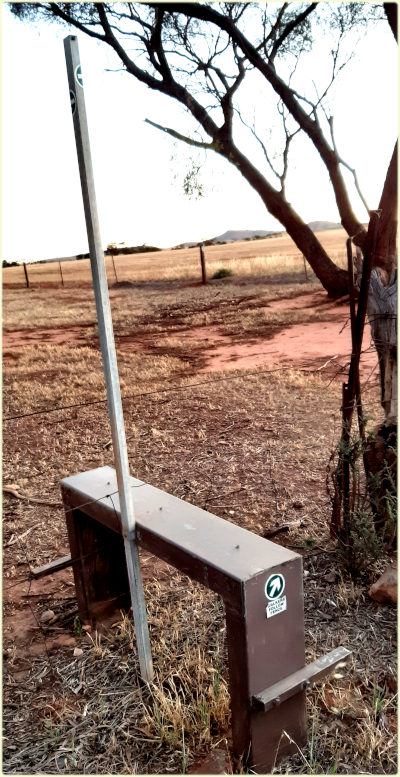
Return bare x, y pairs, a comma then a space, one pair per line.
299, 681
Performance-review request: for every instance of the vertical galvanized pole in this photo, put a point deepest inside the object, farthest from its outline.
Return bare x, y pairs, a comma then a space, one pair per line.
108, 353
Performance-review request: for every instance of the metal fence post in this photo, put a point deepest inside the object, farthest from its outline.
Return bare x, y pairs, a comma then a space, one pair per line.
107, 344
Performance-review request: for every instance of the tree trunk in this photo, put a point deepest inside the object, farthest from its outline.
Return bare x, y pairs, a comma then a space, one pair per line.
382, 305
382, 314
386, 247
333, 279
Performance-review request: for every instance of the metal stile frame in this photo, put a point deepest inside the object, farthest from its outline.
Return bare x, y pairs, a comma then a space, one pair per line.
268, 676
108, 353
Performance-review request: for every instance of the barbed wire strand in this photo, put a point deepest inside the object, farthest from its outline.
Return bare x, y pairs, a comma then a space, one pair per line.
186, 387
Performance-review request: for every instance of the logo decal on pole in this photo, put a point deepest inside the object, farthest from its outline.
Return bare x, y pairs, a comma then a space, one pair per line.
73, 101
78, 75
274, 586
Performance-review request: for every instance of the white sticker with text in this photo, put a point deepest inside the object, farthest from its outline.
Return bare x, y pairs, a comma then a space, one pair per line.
276, 606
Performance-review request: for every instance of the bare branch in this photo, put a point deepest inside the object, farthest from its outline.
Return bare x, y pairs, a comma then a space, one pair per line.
352, 170
309, 126
289, 28
259, 141
179, 136
167, 86
273, 30
62, 15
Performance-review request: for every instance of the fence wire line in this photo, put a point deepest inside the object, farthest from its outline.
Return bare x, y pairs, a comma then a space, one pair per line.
91, 501
249, 374
82, 557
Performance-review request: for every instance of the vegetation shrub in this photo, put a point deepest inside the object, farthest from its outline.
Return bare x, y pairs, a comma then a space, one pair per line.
223, 272
368, 525
144, 249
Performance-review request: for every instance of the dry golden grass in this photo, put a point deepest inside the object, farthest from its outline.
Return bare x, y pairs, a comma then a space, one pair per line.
268, 258
116, 726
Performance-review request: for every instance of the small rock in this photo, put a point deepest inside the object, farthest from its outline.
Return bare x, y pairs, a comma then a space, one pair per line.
47, 616
298, 505
385, 589
86, 627
78, 652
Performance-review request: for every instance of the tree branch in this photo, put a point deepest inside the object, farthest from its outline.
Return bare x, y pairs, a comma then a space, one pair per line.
391, 15
259, 141
179, 136
308, 125
54, 8
166, 86
288, 29
352, 170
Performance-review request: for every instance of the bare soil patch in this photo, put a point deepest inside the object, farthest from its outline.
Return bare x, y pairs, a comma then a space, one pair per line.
18, 338
321, 345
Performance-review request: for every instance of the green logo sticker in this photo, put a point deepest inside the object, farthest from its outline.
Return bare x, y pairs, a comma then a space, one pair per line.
274, 586
78, 75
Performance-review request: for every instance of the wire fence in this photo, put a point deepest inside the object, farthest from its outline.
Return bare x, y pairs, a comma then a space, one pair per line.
254, 258
225, 378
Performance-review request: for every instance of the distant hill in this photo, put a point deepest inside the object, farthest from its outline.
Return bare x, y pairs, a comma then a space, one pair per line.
319, 226
252, 234
233, 235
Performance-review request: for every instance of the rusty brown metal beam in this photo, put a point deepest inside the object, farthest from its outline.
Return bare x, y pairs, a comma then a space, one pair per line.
52, 566
300, 680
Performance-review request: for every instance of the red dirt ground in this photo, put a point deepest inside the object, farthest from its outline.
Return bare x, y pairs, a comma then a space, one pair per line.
315, 346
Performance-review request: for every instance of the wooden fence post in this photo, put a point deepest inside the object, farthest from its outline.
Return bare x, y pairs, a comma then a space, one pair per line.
203, 265
62, 279
115, 272
26, 276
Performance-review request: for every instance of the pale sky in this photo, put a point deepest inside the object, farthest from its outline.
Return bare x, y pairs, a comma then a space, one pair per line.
139, 198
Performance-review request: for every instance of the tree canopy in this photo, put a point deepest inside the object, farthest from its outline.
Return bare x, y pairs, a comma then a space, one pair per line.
212, 58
